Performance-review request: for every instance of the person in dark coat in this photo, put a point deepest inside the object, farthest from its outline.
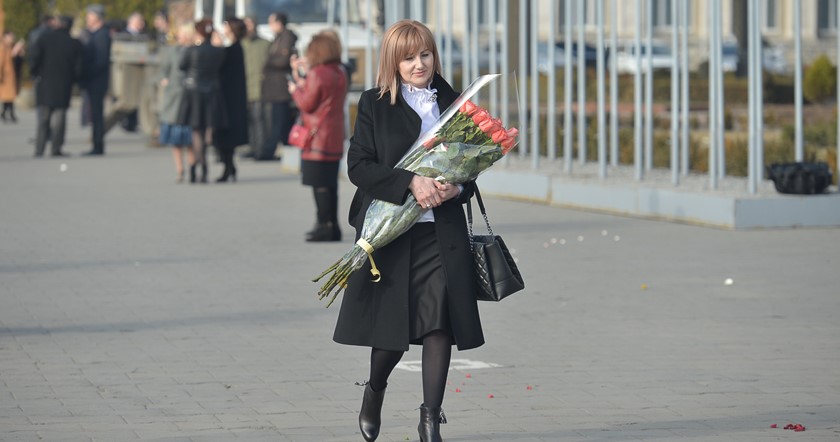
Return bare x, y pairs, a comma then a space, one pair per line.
235, 97
97, 60
427, 291
58, 64
275, 90
320, 97
202, 108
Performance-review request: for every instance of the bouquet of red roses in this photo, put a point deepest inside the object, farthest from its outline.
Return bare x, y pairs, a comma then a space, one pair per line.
465, 141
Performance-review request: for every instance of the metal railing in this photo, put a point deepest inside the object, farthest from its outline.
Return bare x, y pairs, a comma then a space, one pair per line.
534, 102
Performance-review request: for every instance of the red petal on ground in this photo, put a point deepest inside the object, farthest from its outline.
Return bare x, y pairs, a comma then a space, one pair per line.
774, 426
469, 375
457, 390
490, 396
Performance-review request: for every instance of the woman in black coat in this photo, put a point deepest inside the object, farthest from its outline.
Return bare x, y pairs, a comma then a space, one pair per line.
427, 293
201, 108
235, 98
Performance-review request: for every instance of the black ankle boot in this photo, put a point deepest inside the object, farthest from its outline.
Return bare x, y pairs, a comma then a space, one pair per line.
324, 232
430, 420
225, 175
192, 173
370, 417
204, 173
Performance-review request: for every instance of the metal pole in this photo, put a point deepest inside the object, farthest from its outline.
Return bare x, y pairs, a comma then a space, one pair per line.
567, 89
438, 29
535, 88
759, 95
466, 75
837, 168
599, 67
474, 53
649, 87
675, 97
581, 69
448, 39
416, 11
685, 98
345, 37
721, 171
614, 114
369, 45
712, 102
797, 32
505, 86
551, 114
637, 96
523, 78
751, 74
331, 13
494, 62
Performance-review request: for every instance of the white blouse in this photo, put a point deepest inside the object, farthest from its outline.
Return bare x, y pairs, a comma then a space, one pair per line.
424, 102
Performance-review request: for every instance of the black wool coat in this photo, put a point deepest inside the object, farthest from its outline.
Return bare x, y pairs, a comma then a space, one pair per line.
57, 60
376, 314
235, 98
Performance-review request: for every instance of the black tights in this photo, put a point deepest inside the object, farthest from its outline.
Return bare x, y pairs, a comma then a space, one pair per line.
437, 351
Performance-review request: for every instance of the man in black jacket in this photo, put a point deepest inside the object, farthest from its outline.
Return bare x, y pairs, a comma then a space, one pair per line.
275, 85
57, 62
97, 58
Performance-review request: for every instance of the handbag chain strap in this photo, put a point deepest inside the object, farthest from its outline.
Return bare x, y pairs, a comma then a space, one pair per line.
483, 213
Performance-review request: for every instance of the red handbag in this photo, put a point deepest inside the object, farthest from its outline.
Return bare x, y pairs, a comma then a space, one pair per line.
301, 136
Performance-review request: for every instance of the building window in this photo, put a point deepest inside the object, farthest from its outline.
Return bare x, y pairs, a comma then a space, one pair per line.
589, 17
661, 13
771, 15
827, 17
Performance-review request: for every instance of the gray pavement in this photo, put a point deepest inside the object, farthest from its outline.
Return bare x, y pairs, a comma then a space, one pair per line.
133, 308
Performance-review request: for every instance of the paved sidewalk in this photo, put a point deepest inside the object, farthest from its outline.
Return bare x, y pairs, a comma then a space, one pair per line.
133, 308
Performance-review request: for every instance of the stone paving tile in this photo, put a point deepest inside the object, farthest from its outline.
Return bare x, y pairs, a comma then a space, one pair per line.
132, 308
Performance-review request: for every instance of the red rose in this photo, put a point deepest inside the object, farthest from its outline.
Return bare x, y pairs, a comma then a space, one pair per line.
480, 116
507, 145
469, 108
513, 132
499, 136
490, 126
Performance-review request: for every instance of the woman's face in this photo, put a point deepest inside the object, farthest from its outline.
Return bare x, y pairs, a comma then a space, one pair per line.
417, 69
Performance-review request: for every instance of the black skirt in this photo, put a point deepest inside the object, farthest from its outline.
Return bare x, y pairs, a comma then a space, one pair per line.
428, 307
319, 173
201, 110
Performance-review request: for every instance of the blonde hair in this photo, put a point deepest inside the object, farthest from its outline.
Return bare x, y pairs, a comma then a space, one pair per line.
404, 38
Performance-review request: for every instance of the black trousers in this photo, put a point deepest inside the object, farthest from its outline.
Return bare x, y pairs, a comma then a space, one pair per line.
52, 124
257, 125
281, 124
97, 119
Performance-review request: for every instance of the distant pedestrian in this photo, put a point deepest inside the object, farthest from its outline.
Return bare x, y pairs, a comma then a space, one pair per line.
320, 97
8, 77
171, 82
275, 84
202, 109
161, 25
256, 53
58, 64
135, 30
235, 97
97, 61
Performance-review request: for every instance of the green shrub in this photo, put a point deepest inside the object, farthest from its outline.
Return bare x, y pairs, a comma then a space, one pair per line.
820, 82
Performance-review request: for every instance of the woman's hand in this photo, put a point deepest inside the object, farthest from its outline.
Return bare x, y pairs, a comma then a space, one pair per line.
430, 193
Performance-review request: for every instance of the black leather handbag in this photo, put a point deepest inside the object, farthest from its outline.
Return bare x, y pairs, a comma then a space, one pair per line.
496, 273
